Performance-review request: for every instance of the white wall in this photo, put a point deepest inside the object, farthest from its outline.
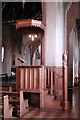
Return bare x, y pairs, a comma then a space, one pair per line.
26, 56
25, 49
0, 36
54, 34
0, 56
50, 33
15, 52
6, 65
59, 34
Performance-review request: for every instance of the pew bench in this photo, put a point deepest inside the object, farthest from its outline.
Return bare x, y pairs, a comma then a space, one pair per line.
4, 77
8, 86
5, 107
16, 99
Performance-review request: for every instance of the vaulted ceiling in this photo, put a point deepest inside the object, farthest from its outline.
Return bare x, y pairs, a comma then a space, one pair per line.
16, 11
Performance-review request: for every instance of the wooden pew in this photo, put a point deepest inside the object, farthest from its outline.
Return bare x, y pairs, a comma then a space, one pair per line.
7, 86
6, 82
16, 99
5, 108
4, 76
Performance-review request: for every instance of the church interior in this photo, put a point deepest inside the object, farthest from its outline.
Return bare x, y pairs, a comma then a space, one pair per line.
40, 59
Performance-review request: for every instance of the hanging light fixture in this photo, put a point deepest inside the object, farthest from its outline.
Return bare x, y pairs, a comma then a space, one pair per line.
23, 2
33, 37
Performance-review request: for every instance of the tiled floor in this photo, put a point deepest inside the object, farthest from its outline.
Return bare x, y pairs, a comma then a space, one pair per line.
72, 112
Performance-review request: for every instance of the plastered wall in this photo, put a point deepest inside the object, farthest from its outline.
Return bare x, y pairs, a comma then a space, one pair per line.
54, 33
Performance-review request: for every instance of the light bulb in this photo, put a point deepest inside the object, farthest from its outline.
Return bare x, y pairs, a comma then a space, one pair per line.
32, 38
29, 36
35, 36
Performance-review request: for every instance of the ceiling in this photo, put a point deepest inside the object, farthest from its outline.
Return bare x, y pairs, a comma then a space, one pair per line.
16, 11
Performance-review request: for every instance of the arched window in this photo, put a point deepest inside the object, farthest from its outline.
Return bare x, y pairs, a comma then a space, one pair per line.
2, 54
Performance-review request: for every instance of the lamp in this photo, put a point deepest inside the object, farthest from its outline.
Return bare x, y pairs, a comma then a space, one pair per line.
33, 36
23, 2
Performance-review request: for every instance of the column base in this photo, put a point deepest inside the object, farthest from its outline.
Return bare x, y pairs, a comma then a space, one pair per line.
65, 105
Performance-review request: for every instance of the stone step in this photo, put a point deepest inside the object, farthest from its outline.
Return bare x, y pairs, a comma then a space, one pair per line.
50, 102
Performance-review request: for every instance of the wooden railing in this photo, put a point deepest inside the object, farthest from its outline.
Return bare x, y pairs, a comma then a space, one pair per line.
34, 78
54, 80
37, 79
29, 78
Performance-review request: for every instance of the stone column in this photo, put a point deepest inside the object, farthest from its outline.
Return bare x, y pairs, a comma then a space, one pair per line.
54, 33
0, 56
0, 37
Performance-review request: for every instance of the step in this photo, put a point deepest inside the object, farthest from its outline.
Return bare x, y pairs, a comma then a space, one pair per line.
50, 102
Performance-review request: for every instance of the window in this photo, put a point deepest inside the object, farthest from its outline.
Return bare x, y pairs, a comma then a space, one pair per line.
2, 53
